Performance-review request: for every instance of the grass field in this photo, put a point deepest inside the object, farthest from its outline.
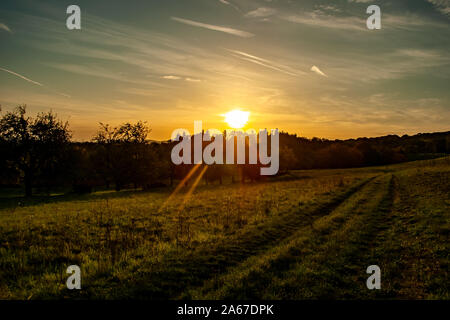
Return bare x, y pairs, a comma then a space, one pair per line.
305, 235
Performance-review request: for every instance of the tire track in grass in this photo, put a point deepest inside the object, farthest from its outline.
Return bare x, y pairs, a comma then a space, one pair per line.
174, 276
373, 238
342, 266
270, 275
410, 249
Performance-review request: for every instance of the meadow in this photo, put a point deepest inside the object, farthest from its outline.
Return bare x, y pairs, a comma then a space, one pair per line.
307, 234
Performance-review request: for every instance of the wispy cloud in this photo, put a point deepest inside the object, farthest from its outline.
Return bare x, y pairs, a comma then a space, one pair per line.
192, 80
357, 70
155, 72
319, 19
318, 71
228, 3
419, 53
263, 62
228, 30
261, 12
5, 27
149, 55
170, 77
442, 6
89, 71
329, 20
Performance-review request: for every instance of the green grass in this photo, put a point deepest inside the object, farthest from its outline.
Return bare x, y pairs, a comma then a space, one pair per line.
308, 235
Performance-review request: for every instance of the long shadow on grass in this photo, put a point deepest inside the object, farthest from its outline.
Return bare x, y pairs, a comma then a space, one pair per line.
10, 202
14, 202
175, 274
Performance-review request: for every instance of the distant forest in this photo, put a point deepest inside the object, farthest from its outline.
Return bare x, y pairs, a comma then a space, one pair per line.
38, 155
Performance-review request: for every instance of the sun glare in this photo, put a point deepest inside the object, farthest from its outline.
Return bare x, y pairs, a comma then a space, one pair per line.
236, 119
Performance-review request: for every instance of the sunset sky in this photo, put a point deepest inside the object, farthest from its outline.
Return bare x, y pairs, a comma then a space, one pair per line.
307, 67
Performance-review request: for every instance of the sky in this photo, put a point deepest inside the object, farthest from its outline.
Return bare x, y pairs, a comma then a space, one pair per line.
307, 67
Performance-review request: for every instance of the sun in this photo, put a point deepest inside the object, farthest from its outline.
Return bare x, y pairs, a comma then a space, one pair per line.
236, 119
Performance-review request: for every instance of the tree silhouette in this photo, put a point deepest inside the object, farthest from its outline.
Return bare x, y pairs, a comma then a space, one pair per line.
124, 154
32, 146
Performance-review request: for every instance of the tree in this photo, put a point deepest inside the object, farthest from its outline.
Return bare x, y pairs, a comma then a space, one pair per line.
288, 160
124, 155
34, 146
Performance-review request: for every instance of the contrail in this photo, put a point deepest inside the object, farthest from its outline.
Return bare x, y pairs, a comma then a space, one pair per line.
21, 76
5, 27
232, 31
34, 82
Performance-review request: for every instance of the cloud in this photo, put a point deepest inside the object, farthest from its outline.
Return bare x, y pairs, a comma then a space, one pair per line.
328, 8
22, 77
442, 6
228, 3
92, 70
318, 71
358, 70
169, 77
234, 32
263, 62
192, 80
324, 18
63, 94
419, 53
328, 21
5, 27
142, 57
261, 12
138, 91
148, 55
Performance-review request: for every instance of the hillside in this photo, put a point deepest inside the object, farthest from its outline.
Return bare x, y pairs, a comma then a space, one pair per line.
309, 234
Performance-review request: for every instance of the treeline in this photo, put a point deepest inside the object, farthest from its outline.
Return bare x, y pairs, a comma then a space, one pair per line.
38, 155
302, 153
